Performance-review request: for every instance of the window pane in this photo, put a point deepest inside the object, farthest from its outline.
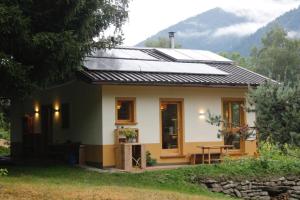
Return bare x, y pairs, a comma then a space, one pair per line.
232, 139
125, 110
235, 112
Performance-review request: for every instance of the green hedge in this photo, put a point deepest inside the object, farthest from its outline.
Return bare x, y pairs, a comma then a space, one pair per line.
4, 151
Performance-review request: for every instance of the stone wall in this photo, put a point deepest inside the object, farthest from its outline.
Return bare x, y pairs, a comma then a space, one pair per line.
271, 189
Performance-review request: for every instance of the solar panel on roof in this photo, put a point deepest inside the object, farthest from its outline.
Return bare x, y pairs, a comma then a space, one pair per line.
203, 55
109, 64
174, 54
192, 55
123, 53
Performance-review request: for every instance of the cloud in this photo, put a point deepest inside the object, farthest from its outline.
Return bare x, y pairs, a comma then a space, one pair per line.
262, 11
146, 17
192, 33
239, 30
294, 34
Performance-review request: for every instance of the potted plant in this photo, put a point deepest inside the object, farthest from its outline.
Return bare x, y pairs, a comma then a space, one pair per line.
129, 133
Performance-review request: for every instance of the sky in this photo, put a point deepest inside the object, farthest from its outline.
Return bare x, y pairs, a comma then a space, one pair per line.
147, 17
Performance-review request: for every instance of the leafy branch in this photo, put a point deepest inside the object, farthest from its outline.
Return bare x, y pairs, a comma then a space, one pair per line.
244, 131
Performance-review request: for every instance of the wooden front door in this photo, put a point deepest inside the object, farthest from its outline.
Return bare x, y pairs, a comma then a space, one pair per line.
171, 127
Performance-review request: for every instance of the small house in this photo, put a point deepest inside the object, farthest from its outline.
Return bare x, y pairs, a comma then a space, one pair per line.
163, 94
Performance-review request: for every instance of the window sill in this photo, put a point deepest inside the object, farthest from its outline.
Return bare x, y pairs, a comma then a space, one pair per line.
126, 123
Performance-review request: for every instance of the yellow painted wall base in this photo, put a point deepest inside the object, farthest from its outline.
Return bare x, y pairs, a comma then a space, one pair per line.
104, 155
94, 155
162, 158
251, 147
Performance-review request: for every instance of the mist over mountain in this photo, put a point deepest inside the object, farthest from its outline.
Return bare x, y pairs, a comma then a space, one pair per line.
218, 30
290, 21
201, 31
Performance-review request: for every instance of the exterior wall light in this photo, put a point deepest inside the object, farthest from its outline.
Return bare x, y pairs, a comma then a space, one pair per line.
36, 111
119, 106
201, 114
163, 107
56, 111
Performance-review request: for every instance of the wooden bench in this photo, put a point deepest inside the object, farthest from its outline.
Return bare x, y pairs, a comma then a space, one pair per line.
197, 158
210, 156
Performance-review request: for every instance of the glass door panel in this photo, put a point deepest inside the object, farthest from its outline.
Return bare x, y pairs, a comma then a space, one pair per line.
170, 125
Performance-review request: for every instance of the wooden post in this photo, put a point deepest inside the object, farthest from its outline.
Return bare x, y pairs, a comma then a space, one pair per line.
202, 155
208, 155
143, 156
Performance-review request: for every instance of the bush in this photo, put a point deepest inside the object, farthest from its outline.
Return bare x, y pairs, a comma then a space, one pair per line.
4, 126
4, 151
149, 160
3, 172
277, 108
4, 134
273, 160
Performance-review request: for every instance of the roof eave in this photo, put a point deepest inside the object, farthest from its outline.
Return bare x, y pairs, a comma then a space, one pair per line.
213, 85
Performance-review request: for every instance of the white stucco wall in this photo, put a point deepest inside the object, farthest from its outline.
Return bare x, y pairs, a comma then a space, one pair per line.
85, 113
93, 118
147, 110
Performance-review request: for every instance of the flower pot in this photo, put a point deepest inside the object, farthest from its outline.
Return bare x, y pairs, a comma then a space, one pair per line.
131, 140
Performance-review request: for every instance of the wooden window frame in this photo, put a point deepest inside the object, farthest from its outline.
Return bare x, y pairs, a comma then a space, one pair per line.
243, 119
131, 121
179, 152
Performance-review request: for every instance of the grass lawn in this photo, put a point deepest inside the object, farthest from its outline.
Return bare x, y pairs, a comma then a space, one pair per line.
63, 182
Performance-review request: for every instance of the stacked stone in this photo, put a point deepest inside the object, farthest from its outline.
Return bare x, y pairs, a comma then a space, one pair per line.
278, 188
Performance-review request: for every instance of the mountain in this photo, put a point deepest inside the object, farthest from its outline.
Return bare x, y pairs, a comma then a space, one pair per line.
289, 21
197, 32
200, 32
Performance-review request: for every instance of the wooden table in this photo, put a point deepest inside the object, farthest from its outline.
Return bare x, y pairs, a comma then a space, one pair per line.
220, 147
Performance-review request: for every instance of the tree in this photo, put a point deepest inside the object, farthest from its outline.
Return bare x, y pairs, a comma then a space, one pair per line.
44, 42
279, 56
161, 42
277, 108
238, 59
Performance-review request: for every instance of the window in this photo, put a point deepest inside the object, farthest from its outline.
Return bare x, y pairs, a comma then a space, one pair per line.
65, 116
234, 117
125, 111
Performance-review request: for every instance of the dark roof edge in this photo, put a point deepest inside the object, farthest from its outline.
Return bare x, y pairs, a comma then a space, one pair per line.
84, 77
174, 84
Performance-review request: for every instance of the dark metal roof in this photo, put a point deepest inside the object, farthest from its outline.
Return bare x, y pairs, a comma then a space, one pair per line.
237, 76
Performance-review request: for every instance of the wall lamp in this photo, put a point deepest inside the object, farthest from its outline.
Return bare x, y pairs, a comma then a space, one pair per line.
201, 114
36, 111
119, 106
56, 110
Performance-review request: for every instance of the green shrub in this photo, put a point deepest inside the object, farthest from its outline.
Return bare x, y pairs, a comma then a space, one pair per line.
272, 161
4, 134
3, 172
4, 151
277, 108
149, 160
